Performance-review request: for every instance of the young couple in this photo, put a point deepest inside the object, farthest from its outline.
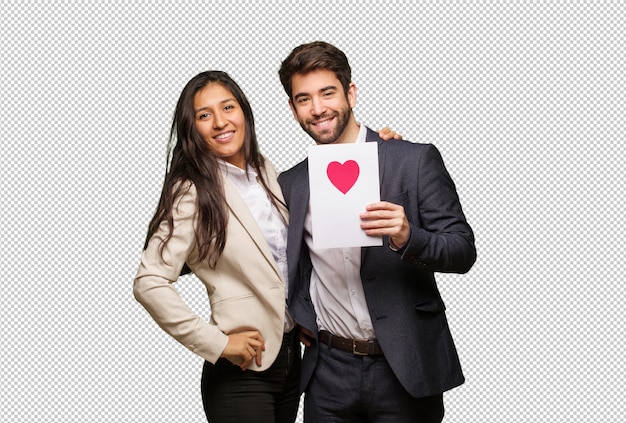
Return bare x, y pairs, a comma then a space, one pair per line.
377, 343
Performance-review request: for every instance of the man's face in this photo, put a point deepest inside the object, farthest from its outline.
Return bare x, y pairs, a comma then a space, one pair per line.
321, 107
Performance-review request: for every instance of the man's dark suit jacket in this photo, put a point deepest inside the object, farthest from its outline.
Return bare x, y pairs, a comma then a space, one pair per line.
406, 308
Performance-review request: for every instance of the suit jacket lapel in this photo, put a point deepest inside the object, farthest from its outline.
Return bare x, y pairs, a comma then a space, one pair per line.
272, 181
298, 206
241, 212
382, 155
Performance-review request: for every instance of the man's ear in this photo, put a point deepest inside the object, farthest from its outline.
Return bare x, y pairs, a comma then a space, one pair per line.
293, 110
352, 95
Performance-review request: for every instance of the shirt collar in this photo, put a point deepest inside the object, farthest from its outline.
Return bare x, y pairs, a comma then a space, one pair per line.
362, 134
235, 172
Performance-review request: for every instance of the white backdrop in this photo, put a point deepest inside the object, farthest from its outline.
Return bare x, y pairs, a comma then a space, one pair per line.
525, 100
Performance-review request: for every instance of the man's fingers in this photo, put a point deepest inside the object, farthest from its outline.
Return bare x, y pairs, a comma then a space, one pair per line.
382, 210
382, 205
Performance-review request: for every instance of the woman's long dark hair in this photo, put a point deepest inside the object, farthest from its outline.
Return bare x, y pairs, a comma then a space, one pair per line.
192, 161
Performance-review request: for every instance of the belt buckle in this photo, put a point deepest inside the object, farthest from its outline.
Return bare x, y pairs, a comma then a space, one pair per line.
354, 350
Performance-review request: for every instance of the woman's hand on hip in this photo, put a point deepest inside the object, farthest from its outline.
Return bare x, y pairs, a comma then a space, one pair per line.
243, 347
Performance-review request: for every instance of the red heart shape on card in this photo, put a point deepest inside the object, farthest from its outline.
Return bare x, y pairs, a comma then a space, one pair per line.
343, 176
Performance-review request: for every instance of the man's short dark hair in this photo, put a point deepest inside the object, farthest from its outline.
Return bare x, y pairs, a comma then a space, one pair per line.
318, 55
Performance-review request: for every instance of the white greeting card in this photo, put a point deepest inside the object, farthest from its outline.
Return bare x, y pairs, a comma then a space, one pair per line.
343, 179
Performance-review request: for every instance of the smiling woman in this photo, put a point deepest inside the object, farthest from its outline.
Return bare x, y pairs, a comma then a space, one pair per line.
216, 190
221, 123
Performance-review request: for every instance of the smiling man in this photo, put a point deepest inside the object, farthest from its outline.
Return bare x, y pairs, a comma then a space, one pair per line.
378, 346
322, 108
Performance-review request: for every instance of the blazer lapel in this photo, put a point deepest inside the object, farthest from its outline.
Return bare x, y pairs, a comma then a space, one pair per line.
241, 212
272, 181
300, 192
382, 155
299, 195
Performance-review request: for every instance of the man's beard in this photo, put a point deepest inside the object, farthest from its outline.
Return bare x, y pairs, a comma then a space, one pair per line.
329, 136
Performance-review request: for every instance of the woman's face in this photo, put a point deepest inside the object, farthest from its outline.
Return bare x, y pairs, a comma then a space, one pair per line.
221, 123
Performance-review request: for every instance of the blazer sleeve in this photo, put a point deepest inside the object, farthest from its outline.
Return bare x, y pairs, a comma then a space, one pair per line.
153, 283
442, 240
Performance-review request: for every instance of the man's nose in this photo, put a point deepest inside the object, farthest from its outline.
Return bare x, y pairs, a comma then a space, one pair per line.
317, 107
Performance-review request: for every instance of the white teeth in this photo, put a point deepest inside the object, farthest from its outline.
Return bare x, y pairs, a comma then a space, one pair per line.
222, 136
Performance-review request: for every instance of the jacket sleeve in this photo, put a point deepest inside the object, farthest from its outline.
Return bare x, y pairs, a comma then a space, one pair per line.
153, 283
443, 240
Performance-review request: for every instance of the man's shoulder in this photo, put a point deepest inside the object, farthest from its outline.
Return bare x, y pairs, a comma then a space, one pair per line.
400, 146
401, 156
407, 148
293, 171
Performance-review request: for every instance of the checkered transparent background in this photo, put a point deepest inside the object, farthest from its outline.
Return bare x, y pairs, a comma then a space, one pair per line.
525, 100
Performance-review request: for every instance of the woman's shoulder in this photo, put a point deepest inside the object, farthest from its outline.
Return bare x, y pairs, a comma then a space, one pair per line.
183, 184
267, 165
184, 187
185, 195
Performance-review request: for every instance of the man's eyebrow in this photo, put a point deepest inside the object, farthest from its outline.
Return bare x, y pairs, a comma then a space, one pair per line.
321, 90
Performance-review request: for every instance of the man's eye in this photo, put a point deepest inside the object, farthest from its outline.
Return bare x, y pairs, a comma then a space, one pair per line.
302, 100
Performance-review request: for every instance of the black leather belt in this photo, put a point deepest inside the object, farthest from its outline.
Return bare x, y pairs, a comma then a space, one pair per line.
355, 346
